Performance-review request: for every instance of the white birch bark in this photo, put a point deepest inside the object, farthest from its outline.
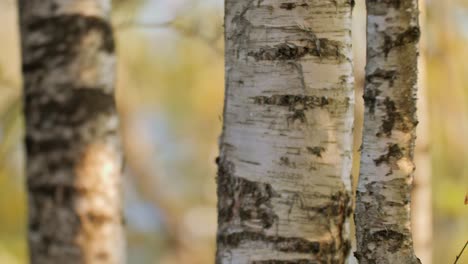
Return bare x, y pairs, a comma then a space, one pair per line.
383, 195
284, 179
73, 152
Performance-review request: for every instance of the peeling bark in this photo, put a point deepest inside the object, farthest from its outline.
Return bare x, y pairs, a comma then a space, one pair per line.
284, 184
383, 195
72, 147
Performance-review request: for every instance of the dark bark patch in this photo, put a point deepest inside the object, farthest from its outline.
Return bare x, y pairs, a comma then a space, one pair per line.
389, 76
282, 244
318, 47
411, 35
392, 116
399, 116
284, 161
61, 39
293, 101
61, 194
242, 199
77, 106
339, 205
36, 147
393, 154
387, 240
297, 115
392, 238
370, 99
291, 6
317, 151
48, 169
297, 104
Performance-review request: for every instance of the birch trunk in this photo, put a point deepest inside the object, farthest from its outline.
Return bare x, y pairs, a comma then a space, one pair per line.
383, 195
73, 151
284, 184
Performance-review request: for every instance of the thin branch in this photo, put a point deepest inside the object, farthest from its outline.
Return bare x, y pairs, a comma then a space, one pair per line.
461, 252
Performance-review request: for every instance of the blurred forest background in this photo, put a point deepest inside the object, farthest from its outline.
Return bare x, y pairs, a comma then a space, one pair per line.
170, 97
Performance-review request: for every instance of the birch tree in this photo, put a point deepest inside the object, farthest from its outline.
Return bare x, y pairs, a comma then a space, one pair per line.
73, 155
284, 184
383, 195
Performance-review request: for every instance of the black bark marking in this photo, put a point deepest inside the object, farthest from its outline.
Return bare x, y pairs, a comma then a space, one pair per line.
370, 99
48, 199
282, 244
391, 118
243, 199
318, 47
393, 154
393, 241
61, 194
317, 151
284, 161
36, 147
297, 115
62, 41
293, 101
339, 204
401, 116
76, 105
250, 162
291, 6
297, 104
411, 35
393, 238
389, 76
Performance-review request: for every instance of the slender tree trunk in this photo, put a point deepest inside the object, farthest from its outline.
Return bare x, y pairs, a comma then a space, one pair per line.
73, 151
284, 184
383, 195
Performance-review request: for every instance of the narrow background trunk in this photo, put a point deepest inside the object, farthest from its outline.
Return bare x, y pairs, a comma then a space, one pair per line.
383, 195
73, 151
284, 179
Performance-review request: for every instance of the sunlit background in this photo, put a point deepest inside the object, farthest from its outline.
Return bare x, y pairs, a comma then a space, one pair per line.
170, 97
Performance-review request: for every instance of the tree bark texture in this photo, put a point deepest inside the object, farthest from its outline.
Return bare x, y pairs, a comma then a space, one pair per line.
73, 151
383, 195
284, 178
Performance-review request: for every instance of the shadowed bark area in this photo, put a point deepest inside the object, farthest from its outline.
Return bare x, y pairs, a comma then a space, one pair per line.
383, 195
73, 157
284, 184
